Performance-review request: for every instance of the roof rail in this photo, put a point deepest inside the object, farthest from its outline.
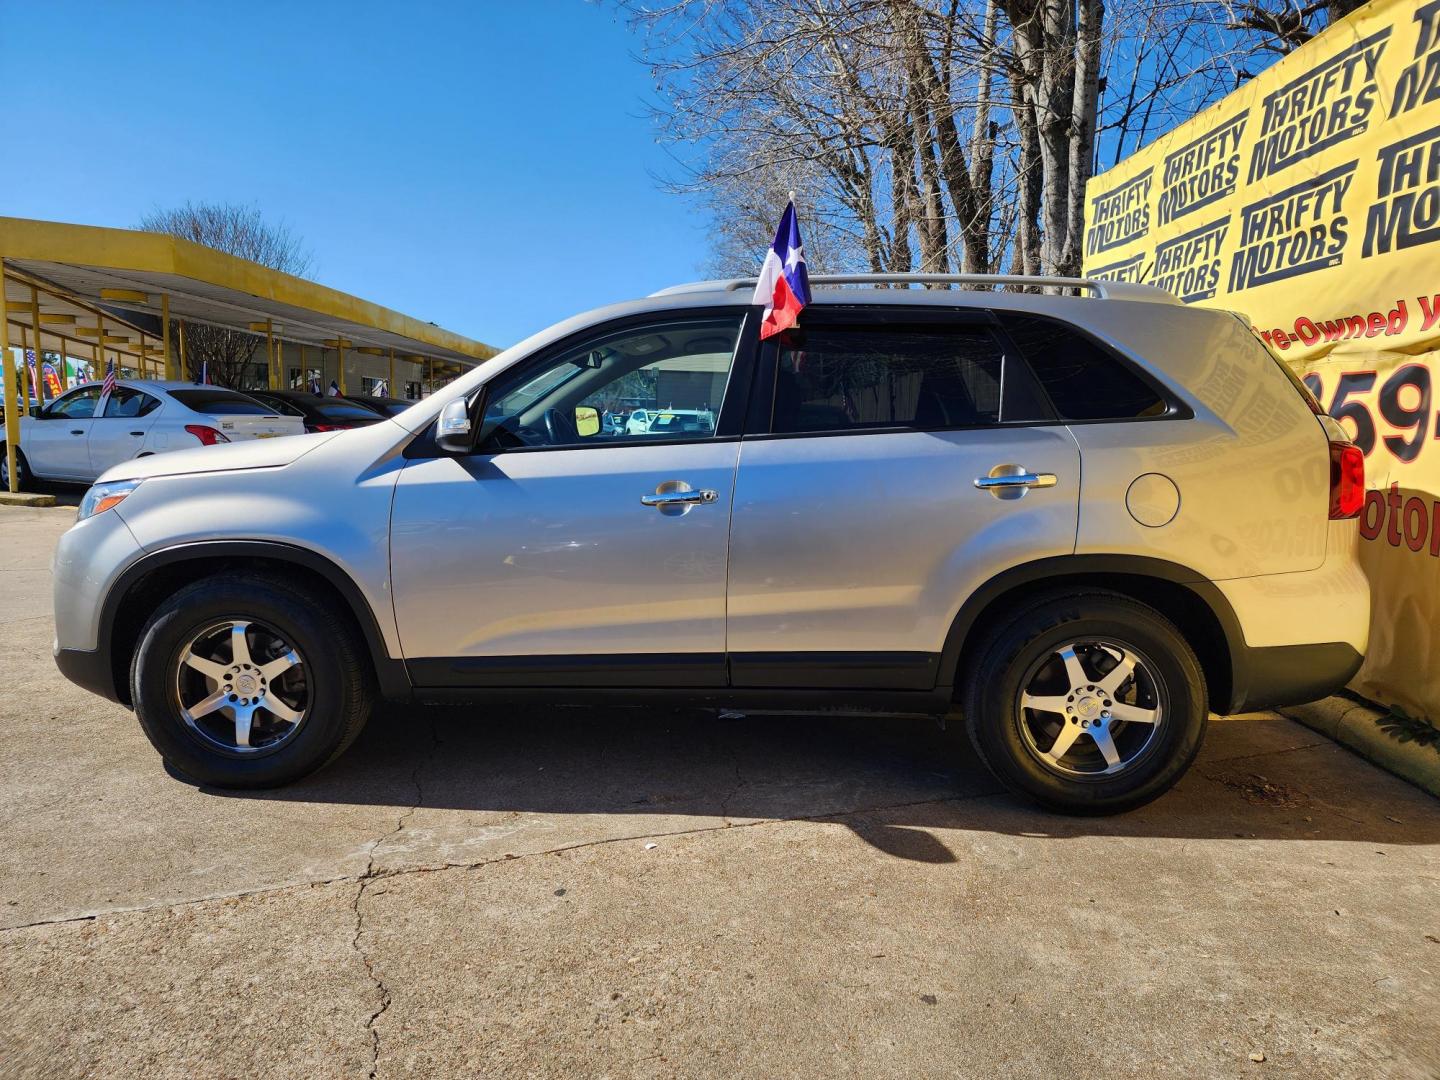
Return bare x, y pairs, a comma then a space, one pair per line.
1104, 290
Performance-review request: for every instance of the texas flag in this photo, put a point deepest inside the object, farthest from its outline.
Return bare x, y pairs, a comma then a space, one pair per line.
784, 285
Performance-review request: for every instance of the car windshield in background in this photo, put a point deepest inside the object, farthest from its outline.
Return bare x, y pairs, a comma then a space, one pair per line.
395, 408
210, 400
344, 410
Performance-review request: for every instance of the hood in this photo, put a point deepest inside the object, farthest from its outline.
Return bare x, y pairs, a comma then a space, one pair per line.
251, 454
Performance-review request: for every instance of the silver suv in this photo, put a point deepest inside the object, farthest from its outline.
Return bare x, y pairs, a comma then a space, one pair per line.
1078, 521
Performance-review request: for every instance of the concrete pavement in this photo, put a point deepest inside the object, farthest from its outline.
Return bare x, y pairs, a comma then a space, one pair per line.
628, 893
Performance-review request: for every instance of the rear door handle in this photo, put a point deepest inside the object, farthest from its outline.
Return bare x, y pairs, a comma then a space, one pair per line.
1016, 480
1011, 481
680, 498
77, 431
138, 434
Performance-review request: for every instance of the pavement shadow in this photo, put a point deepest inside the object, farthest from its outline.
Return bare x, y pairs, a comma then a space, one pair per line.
897, 783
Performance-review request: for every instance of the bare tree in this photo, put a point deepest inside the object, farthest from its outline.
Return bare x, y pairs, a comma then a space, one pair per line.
1283, 26
922, 134
236, 230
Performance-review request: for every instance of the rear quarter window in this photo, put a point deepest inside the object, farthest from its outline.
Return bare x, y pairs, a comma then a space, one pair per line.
1084, 380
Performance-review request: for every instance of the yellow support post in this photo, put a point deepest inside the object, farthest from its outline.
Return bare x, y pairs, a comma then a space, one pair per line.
24, 376
340, 363
272, 380
429, 375
39, 352
390, 379
184, 364
170, 368
140, 360
7, 373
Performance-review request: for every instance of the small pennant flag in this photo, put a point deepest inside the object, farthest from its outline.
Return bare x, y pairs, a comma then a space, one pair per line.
784, 284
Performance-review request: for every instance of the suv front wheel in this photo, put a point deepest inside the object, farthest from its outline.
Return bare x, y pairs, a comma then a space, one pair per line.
249, 681
1088, 703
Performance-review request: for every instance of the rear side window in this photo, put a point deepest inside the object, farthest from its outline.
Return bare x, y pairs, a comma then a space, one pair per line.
1084, 380
125, 402
210, 400
841, 378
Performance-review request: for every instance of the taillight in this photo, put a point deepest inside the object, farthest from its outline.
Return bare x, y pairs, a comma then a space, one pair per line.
208, 436
1347, 480
327, 427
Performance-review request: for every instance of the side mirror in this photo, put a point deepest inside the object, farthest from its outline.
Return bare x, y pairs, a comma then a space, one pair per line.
587, 421
453, 433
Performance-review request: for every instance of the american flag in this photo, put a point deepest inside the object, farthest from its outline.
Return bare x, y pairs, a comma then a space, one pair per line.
109, 383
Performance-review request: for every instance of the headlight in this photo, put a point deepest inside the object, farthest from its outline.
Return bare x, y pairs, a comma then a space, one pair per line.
102, 497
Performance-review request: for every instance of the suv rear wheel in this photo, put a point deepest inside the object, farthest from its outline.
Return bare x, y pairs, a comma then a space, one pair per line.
248, 681
1088, 703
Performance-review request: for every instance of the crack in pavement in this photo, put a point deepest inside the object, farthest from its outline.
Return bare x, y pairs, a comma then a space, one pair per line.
363, 882
372, 874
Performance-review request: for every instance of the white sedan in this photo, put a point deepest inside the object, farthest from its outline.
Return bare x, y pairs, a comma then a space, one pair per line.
82, 433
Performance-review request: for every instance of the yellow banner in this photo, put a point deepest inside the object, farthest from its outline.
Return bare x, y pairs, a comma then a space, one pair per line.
1309, 200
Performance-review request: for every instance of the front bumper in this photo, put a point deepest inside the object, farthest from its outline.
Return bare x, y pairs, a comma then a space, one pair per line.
88, 669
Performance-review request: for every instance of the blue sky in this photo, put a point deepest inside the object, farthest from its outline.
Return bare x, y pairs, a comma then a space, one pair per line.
486, 165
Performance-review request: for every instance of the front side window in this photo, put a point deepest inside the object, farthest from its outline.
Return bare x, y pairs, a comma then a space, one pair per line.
853, 377
665, 380
125, 402
79, 405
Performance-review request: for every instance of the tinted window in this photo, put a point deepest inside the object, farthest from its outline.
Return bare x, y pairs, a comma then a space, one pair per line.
344, 410
1083, 379
207, 399
280, 405
125, 402
395, 408
835, 378
77, 406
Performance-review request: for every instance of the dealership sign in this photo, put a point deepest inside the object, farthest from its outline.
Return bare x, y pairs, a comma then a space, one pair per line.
1309, 200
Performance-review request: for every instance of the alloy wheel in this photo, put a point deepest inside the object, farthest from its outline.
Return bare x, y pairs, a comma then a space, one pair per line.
1091, 709
240, 687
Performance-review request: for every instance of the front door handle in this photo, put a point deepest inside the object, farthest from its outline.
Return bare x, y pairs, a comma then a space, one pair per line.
138, 434
77, 431
680, 498
1013, 481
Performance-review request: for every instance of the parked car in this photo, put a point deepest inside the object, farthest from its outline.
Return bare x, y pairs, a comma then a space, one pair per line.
83, 432
318, 413
385, 406
669, 421
1072, 523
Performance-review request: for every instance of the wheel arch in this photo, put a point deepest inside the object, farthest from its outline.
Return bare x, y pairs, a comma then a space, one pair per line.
1199, 610
144, 584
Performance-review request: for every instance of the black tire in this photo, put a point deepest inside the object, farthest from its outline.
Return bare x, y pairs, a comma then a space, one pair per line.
1019, 649
22, 469
338, 680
